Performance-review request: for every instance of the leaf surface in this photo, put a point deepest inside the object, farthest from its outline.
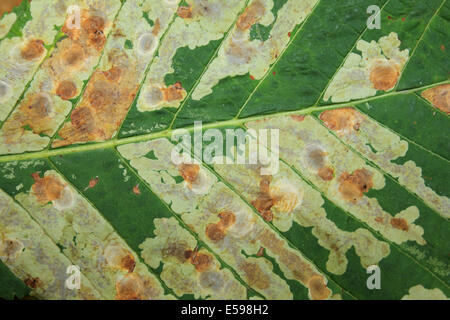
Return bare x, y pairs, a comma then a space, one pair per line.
88, 178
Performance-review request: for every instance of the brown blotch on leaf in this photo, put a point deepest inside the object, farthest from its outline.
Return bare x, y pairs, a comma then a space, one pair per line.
156, 27
136, 190
82, 119
317, 288
250, 16
6, 6
326, 173
94, 26
128, 263
260, 252
33, 283
189, 172
215, 232
113, 74
66, 90
400, 223
379, 219
353, 186
255, 276
264, 202
101, 95
37, 107
130, 287
341, 119
73, 56
384, 75
10, 248
439, 97
227, 219
34, 49
92, 183
201, 261
46, 189
298, 118
184, 12
173, 93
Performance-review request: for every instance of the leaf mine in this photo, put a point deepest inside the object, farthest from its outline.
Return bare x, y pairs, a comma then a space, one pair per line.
114, 85
377, 68
187, 269
383, 147
308, 212
439, 97
353, 177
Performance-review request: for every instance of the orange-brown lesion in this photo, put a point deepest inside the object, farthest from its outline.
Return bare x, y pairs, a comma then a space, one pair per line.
189, 172
251, 15
217, 231
6, 6
33, 49
255, 276
264, 202
36, 109
201, 261
46, 189
184, 12
317, 288
173, 93
130, 287
341, 120
353, 186
33, 283
439, 97
384, 74
105, 103
66, 90
399, 223
326, 173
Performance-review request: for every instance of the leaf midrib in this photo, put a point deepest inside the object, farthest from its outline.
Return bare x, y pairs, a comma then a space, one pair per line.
168, 132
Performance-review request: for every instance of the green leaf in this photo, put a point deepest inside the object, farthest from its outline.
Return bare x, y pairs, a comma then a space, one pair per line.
89, 118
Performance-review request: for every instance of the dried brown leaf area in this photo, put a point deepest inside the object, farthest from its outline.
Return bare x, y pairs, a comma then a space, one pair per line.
227, 230
383, 147
59, 79
113, 87
353, 177
439, 97
289, 198
110, 268
22, 55
376, 68
187, 268
225, 223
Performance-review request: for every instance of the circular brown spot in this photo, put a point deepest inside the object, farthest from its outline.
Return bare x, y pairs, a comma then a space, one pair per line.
128, 263
93, 24
97, 39
40, 106
400, 223
74, 55
34, 49
130, 287
82, 119
214, 232
113, 74
326, 173
317, 288
384, 76
66, 90
102, 95
227, 219
201, 262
